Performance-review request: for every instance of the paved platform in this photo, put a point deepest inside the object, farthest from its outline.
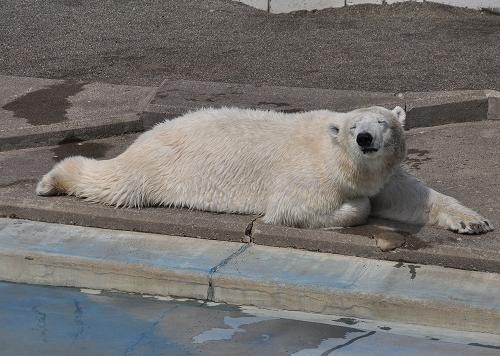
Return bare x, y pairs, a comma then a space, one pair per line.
62, 321
37, 112
248, 274
449, 158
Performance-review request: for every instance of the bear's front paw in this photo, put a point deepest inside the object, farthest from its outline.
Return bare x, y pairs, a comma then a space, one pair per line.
469, 223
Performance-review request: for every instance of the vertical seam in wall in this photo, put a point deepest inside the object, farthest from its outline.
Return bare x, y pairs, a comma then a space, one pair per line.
213, 270
268, 5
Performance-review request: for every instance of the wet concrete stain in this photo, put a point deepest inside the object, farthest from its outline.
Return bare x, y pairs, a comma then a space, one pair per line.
41, 323
145, 336
348, 321
74, 146
277, 105
485, 345
385, 239
412, 269
45, 106
416, 157
292, 111
78, 315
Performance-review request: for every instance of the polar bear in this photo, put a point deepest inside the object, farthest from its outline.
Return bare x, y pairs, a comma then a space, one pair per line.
312, 169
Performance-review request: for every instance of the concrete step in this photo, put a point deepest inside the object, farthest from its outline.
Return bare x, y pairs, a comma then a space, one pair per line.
40, 112
237, 273
423, 109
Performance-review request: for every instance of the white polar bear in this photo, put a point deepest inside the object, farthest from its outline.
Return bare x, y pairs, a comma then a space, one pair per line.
313, 169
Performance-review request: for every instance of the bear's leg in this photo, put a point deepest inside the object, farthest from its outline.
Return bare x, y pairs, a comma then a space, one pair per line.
352, 213
404, 198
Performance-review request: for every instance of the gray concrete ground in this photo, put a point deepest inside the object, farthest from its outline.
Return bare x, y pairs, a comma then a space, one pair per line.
449, 158
402, 47
37, 112
37, 320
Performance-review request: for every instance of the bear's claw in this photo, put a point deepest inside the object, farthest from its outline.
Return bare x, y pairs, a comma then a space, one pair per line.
472, 227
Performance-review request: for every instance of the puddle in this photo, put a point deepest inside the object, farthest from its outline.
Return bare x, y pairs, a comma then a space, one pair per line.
415, 158
45, 106
217, 334
74, 146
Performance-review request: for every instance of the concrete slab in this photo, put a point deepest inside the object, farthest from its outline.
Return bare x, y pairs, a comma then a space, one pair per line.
35, 112
423, 109
440, 108
363, 288
62, 321
65, 255
22, 168
175, 97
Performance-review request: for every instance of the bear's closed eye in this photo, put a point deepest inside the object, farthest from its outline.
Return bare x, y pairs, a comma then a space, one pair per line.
334, 129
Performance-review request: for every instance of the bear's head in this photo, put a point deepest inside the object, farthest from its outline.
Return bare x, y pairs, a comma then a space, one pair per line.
373, 134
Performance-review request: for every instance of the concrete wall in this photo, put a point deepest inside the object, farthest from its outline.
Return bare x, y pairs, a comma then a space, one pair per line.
280, 6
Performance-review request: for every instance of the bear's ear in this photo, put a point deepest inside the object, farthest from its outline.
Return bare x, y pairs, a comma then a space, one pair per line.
400, 114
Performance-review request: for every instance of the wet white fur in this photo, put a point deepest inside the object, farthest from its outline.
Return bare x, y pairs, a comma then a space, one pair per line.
302, 169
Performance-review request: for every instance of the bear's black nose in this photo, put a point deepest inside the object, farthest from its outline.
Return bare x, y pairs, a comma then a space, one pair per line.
364, 139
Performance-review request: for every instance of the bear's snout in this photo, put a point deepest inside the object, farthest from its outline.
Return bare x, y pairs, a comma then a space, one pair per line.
364, 139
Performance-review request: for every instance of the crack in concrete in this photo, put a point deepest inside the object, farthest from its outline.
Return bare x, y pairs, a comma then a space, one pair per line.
213, 270
249, 229
328, 352
78, 317
147, 333
41, 322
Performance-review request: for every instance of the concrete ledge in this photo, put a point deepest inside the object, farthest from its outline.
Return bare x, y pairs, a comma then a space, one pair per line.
36, 112
333, 284
423, 109
362, 242
62, 255
42, 253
